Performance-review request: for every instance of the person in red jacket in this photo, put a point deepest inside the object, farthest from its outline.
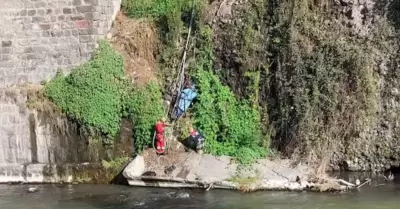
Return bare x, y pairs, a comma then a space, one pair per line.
160, 142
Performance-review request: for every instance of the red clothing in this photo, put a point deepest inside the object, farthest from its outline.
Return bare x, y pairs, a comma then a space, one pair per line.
160, 128
160, 143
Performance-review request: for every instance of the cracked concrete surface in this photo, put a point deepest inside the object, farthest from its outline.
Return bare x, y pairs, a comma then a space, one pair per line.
208, 168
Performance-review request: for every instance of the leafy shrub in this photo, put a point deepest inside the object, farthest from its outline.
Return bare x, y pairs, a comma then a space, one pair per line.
93, 93
232, 126
145, 107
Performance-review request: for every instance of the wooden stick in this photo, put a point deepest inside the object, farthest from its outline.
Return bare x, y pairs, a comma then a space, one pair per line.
368, 180
210, 186
346, 183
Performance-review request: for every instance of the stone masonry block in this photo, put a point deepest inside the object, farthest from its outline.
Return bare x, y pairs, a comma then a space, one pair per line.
7, 50
80, 24
45, 26
62, 3
76, 2
86, 39
67, 33
88, 31
75, 33
85, 9
39, 49
45, 41
61, 47
92, 2
29, 5
6, 43
31, 12
40, 4
46, 19
92, 16
37, 19
77, 17
23, 12
41, 12
51, 4
56, 33
67, 25
91, 46
67, 10
54, 40
5, 57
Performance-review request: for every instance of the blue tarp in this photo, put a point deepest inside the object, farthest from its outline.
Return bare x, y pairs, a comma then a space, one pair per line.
185, 99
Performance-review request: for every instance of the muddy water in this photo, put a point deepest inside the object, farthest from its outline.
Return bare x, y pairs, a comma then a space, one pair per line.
122, 197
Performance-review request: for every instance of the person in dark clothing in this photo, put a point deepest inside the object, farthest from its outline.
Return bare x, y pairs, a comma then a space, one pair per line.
196, 140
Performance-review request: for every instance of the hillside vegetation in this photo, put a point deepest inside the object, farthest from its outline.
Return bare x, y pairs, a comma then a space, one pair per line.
315, 80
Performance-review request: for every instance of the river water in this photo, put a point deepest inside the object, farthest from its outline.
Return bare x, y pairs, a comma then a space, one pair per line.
124, 197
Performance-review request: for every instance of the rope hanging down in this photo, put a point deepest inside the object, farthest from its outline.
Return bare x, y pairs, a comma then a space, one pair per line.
180, 79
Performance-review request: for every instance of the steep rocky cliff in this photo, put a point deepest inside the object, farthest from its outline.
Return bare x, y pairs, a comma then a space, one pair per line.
328, 75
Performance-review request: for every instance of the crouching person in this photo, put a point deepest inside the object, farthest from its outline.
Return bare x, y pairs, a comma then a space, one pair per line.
196, 140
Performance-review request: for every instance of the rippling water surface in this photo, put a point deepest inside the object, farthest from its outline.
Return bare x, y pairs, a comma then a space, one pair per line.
123, 197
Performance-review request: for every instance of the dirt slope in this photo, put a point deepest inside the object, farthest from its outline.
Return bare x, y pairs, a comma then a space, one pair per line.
136, 40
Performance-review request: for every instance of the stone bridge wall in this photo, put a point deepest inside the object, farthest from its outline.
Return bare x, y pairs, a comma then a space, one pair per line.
38, 37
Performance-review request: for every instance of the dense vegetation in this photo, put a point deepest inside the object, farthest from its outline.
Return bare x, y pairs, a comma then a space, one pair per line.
98, 95
93, 93
323, 88
285, 74
231, 125
145, 108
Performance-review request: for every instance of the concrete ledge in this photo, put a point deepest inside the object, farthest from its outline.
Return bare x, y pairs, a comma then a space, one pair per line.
207, 172
164, 182
12, 173
46, 173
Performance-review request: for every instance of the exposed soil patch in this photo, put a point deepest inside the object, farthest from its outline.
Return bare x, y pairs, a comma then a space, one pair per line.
136, 40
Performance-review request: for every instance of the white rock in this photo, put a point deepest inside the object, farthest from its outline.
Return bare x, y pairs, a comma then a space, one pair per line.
135, 168
32, 189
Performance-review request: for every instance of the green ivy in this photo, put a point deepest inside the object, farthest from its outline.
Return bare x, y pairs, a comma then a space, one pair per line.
152, 8
146, 108
232, 126
93, 93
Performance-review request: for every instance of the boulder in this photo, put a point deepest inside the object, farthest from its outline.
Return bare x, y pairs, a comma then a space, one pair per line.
135, 168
